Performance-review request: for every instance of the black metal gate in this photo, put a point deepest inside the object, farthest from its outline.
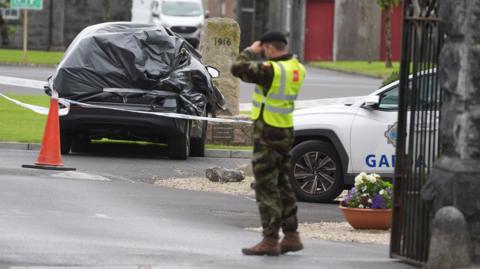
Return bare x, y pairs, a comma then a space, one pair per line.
418, 120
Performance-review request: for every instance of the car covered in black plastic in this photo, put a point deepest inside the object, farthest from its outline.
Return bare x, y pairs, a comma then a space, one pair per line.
120, 68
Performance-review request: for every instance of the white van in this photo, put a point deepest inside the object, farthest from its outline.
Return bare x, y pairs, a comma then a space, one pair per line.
184, 17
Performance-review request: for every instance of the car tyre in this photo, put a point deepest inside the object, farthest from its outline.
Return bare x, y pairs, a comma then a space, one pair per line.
179, 145
80, 144
316, 174
197, 144
65, 142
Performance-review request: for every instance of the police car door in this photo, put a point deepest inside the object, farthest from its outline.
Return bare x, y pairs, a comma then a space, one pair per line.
374, 133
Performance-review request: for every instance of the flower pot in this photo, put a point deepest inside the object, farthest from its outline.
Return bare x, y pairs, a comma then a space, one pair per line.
360, 218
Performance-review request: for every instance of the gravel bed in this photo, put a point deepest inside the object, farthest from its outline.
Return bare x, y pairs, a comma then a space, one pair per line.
332, 231
340, 231
203, 184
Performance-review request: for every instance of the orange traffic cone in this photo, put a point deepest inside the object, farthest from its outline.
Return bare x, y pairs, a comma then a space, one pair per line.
50, 156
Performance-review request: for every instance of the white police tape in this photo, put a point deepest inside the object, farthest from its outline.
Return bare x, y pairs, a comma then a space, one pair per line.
162, 114
37, 109
20, 82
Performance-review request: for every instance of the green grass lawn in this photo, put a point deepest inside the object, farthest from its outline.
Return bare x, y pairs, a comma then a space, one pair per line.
208, 146
18, 124
376, 69
33, 56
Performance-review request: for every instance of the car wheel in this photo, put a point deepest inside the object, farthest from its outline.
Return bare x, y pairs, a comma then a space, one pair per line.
179, 145
316, 174
197, 144
65, 142
80, 144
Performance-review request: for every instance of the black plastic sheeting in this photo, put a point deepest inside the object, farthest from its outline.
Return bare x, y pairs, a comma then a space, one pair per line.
150, 59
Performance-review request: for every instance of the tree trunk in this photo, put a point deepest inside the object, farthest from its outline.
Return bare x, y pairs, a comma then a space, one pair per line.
388, 39
367, 15
106, 10
4, 32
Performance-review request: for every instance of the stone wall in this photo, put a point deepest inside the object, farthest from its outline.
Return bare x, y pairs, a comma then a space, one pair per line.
91, 12
455, 179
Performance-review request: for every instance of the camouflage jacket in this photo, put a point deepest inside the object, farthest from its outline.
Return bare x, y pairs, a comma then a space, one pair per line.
248, 69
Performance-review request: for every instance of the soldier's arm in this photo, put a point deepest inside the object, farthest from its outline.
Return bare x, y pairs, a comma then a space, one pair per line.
245, 68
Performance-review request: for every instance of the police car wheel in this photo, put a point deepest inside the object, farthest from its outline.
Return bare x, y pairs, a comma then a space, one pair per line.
316, 174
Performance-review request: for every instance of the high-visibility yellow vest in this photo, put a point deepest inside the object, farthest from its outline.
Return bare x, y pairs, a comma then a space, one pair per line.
278, 105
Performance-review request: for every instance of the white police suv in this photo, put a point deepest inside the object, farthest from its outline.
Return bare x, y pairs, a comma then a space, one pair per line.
333, 143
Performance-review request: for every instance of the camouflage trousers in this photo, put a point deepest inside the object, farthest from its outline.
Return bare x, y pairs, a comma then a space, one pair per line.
271, 165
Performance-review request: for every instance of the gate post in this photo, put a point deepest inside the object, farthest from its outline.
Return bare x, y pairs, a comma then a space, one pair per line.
455, 179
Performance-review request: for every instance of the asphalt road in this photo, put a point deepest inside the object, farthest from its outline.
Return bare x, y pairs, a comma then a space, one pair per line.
108, 213
70, 219
318, 83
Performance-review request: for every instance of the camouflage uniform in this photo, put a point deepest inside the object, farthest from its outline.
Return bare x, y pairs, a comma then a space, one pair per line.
271, 156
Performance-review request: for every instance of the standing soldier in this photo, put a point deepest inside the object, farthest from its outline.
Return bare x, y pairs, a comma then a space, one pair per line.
278, 81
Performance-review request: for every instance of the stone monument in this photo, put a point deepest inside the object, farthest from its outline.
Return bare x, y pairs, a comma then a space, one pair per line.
219, 46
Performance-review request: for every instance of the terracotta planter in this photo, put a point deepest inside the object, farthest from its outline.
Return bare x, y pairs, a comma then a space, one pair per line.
359, 218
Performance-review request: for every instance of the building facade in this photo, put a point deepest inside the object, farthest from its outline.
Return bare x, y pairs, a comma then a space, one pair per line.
57, 24
323, 30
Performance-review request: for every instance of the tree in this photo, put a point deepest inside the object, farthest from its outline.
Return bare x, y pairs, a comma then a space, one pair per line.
387, 6
4, 27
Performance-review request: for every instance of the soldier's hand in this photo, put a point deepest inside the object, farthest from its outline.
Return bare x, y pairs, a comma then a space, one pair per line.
256, 47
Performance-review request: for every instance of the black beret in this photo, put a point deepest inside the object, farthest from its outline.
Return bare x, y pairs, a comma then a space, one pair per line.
274, 36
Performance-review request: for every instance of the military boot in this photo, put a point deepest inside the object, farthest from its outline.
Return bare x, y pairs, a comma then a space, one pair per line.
291, 243
268, 246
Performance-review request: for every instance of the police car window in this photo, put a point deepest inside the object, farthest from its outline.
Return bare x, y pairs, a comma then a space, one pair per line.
389, 99
427, 96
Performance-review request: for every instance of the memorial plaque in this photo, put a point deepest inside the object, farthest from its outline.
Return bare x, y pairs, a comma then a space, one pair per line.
222, 133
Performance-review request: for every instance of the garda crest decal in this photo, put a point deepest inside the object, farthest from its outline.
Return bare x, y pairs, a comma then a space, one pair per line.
391, 134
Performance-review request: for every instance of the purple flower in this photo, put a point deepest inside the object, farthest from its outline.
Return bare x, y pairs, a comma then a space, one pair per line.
378, 202
348, 197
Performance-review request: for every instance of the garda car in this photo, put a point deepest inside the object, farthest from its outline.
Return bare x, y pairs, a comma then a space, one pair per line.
184, 17
333, 143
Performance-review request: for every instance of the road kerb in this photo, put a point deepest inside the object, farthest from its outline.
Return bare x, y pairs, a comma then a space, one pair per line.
210, 153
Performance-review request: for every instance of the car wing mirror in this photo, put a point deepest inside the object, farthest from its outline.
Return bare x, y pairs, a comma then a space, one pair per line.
207, 14
371, 102
213, 72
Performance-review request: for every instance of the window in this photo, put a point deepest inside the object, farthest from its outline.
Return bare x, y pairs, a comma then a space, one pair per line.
10, 14
181, 8
389, 99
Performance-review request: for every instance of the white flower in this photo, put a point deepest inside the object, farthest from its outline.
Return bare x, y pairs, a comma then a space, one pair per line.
364, 195
381, 192
371, 178
358, 181
370, 201
360, 206
360, 178
364, 189
377, 176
